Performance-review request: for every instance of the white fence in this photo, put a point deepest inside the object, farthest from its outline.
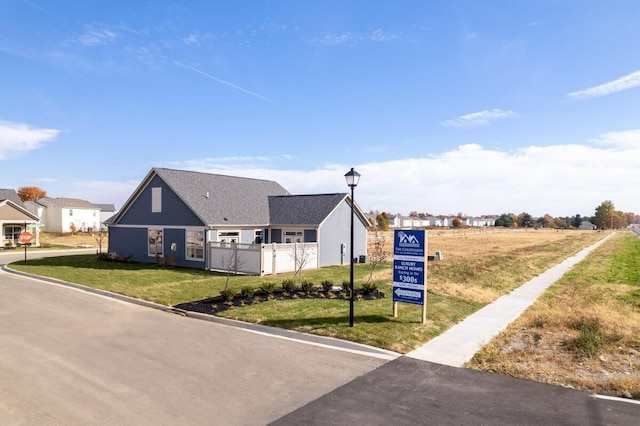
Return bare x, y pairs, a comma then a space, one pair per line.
262, 259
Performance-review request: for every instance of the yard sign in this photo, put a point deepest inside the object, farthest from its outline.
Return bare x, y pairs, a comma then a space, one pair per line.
409, 255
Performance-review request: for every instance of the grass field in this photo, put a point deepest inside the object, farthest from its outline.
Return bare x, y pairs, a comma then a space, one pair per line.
584, 332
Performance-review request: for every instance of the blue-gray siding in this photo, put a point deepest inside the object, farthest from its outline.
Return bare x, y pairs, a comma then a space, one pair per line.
174, 211
135, 242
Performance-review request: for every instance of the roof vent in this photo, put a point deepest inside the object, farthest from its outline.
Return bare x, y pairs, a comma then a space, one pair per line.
207, 194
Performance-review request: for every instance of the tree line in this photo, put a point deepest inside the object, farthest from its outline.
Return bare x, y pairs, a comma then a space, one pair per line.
605, 217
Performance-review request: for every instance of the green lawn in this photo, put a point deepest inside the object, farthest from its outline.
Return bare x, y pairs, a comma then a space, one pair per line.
374, 324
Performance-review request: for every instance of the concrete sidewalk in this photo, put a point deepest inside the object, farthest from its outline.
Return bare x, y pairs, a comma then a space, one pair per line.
457, 345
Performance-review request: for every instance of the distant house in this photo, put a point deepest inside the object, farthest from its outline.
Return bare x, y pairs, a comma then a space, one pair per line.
585, 225
106, 212
66, 214
218, 222
15, 218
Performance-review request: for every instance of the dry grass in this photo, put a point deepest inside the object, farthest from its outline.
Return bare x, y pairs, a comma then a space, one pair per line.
482, 265
72, 240
581, 333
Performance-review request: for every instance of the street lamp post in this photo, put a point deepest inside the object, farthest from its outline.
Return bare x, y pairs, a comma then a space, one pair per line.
352, 178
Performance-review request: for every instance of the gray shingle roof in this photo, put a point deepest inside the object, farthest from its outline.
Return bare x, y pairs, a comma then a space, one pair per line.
75, 203
219, 199
106, 207
11, 195
302, 209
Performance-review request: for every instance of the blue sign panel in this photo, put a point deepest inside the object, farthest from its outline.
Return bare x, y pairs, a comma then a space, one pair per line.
408, 266
405, 295
408, 243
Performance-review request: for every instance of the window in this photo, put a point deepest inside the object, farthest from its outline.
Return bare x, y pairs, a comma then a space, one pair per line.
155, 242
293, 237
229, 237
156, 200
70, 212
12, 233
259, 236
195, 245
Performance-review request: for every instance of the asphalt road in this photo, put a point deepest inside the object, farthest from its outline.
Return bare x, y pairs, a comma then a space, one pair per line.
68, 356
72, 357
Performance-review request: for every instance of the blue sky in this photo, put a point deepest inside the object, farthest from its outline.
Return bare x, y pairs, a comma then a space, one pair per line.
442, 106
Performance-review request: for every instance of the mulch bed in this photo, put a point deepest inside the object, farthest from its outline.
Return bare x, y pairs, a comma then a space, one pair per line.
214, 305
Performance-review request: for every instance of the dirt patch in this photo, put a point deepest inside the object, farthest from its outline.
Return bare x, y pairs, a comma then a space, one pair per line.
79, 239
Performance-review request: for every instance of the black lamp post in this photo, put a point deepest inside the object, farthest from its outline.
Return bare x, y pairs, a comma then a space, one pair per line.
352, 178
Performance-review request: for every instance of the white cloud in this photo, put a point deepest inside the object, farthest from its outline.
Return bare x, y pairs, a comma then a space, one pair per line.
561, 180
18, 137
626, 82
97, 36
350, 39
478, 118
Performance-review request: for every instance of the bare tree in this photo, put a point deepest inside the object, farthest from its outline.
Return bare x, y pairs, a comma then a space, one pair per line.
377, 254
232, 263
302, 257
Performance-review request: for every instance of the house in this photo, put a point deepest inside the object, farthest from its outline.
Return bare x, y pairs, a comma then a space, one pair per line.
15, 219
585, 225
220, 222
66, 214
106, 211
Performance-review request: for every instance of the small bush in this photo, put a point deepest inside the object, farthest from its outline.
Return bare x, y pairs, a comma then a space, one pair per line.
327, 285
591, 337
306, 286
369, 288
288, 285
227, 294
246, 291
268, 287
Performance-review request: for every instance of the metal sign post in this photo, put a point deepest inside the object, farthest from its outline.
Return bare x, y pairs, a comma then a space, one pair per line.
409, 269
24, 239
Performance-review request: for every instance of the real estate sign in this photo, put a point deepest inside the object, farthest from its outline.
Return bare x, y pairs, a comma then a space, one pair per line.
409, 255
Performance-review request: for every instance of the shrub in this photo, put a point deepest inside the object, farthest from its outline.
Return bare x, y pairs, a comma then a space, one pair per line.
227, 294
306, 286
369, 288
591, 337
288, 285
327, 285
346, 286
268, 287
246, 291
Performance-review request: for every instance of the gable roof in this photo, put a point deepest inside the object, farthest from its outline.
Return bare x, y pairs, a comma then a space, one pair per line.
105, 207
302, 209
71, 203
10, 198
11, 195
215, 199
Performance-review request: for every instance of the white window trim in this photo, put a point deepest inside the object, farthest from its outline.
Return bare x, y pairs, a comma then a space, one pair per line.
186, 245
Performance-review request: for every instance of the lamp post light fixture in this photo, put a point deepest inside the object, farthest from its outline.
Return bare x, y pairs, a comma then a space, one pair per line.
352, 178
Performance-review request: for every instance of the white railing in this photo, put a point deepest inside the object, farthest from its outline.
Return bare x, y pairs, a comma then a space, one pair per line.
262, 259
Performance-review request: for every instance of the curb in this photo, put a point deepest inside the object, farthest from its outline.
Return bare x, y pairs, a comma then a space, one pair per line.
310, 339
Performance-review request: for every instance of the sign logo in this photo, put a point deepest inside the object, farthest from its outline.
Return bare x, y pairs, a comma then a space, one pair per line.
408, 240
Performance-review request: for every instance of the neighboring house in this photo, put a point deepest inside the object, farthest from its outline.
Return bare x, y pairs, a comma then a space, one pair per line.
67, 214
15, 218
214, 221
106, 212
585, 225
